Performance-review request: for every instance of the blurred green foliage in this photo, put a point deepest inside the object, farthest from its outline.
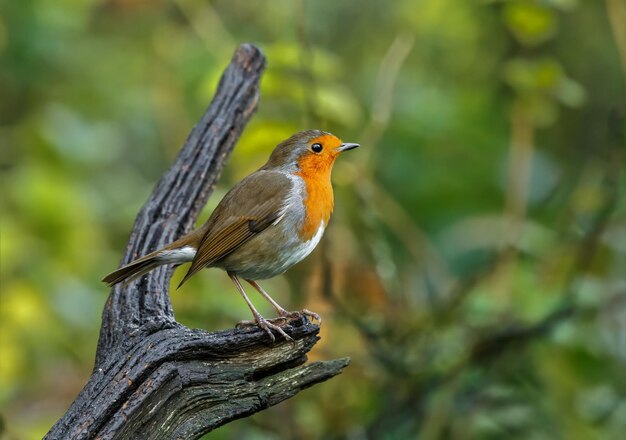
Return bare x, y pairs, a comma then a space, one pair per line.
475, 266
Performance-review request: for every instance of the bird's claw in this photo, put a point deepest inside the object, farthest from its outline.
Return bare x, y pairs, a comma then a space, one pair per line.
312, 315
280, 321
267, 325
299, 314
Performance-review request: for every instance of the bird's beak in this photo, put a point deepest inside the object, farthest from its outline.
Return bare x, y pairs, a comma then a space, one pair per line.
345, 147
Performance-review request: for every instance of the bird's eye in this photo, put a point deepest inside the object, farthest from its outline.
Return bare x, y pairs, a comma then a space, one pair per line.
317, 148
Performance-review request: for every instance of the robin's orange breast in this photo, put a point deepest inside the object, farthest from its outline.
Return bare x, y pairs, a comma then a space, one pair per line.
318, 200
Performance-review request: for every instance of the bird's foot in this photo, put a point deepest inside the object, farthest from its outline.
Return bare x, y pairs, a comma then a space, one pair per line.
285, 317
267, 325
288, 316
280, 321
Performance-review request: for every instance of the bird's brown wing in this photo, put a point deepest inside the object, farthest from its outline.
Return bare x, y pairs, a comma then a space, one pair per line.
249, 208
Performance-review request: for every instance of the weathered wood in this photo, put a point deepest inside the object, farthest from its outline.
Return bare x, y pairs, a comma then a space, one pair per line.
154, 378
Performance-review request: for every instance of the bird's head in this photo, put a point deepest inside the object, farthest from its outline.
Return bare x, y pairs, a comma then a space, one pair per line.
309, 152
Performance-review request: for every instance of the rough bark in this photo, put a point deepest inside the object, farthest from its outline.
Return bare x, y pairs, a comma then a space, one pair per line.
153, 377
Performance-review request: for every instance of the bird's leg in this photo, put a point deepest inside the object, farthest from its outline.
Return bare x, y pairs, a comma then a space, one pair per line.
260, 321
283, 314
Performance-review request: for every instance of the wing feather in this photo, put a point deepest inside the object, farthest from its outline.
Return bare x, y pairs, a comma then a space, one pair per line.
247, 210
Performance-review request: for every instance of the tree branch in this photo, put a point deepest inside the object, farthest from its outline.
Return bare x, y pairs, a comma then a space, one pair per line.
154, 378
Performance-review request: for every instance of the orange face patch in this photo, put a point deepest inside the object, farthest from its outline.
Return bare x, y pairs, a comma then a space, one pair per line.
315, 169
328, 141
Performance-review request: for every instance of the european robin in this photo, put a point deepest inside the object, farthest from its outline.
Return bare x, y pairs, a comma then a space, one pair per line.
265, 224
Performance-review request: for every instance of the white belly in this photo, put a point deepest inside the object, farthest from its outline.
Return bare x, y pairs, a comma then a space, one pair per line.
299, 251
275, 254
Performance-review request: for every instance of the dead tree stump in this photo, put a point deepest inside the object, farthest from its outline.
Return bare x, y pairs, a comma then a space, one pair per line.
153, 377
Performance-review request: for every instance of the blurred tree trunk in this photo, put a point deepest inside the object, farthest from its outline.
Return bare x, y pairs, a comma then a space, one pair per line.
153, 377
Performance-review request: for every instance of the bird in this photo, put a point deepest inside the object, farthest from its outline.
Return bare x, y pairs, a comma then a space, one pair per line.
265, 224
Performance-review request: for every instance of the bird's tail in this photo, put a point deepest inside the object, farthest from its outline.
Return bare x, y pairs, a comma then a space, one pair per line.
143, 265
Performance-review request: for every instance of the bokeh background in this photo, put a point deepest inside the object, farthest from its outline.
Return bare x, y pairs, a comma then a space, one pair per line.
475, 266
